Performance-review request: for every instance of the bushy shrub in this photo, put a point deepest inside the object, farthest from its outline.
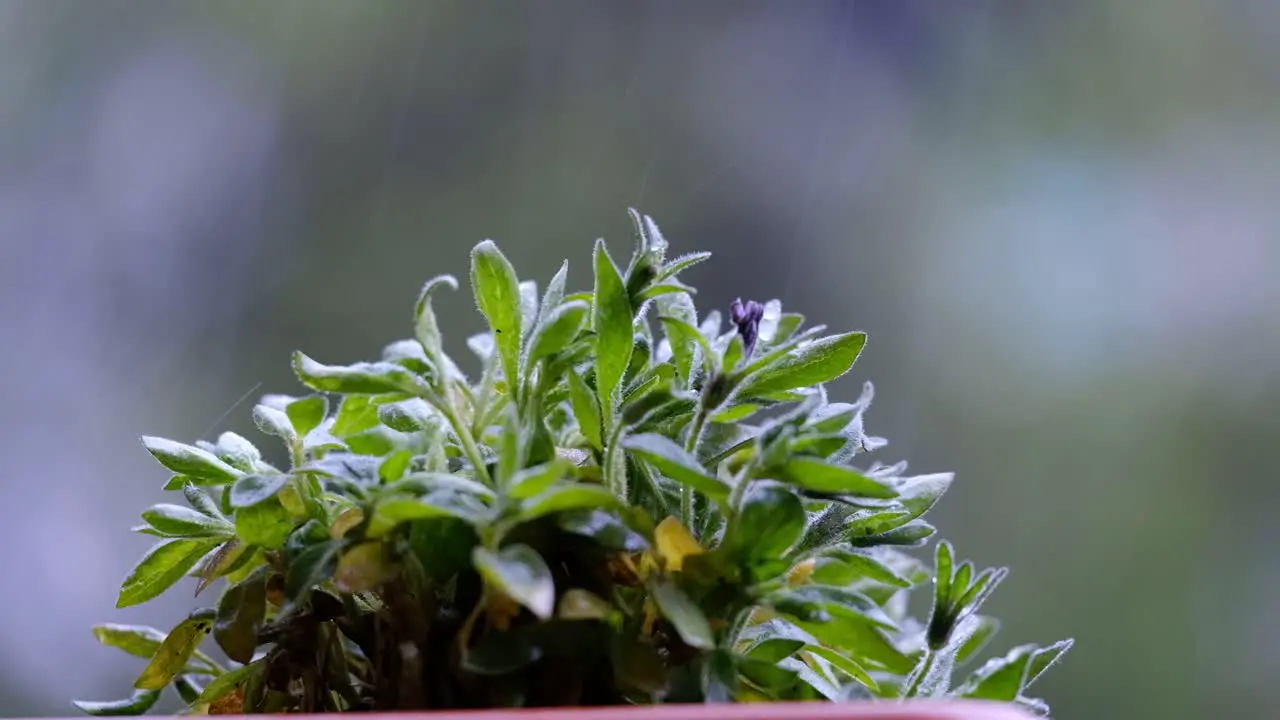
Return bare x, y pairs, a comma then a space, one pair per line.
630, 504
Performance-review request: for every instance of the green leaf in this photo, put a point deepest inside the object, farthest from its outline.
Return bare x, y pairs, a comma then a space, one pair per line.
863, 641
842, 602
682, 263
201, 501
253, 489
240, 613
227, 682
356, 414
605, 528
910, 535
819, 362
311, 567
818, 476
568, 497
769, 522
671, 460
174, 652
425, 327
184, 522
688, 340
554, 295
845, 567
684, 614
1003, 679
521, 573
497, 293
943, 574
530, 481
613, 325
919, 494
164, 564
275, 422
201, 465
266, 524
307, 413
361, 378
396, 510
845, 664
774, 649
137, 640
237, 452
557, 330
138, 704
977, 632
586, 410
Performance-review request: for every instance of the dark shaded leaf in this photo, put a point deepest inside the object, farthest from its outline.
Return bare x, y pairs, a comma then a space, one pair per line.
685, 616
521, 573
240, 613
228, 682
604, 528
310, 567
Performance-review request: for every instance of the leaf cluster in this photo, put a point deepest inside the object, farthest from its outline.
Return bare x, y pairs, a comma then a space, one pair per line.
631, 503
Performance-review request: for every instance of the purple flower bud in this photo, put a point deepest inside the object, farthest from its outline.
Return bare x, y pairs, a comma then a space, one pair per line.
747, 316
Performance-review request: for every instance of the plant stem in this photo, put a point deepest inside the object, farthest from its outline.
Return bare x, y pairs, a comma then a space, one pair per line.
468, 442
921, 672
691, 447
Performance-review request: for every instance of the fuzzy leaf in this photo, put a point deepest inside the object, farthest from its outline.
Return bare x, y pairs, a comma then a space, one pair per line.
361, 378
612, 321
819, 362
557, 330
138, 704
671, 460
200, 465
818, 476
176, 520
497, 293
253, 489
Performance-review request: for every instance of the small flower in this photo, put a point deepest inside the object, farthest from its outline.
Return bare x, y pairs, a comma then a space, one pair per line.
747, 316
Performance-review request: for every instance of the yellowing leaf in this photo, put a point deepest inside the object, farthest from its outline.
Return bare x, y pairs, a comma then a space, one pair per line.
579, 604
674, 543
349, 518
363, 567
173, 653
501, 610
801, 572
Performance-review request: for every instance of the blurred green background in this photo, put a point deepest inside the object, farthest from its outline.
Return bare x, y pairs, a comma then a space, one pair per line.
1055, 220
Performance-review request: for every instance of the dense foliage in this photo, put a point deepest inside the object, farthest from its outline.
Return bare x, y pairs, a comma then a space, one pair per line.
631, 504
